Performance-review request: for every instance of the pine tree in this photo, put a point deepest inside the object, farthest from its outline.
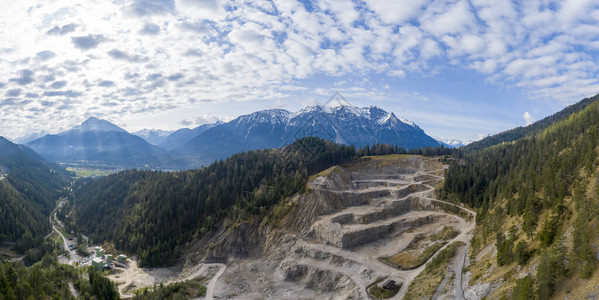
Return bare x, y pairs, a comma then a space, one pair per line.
546, 276
521, 252
524, 289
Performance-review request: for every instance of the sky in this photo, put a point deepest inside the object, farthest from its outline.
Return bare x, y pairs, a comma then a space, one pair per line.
457, 68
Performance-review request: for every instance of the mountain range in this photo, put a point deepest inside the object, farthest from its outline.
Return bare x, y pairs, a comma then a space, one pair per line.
454, 143
100, 143
182, 136
153, 136
276, 128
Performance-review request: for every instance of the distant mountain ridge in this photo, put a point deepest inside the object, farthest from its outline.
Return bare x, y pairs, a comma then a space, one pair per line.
24, 139
277, 127
153, 136
94, 124
182, 136
98, 142
454, 143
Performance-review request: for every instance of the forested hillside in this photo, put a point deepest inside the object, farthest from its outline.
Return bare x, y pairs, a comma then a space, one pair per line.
50, 280
519, 132
546, 186
29, 189
152, 214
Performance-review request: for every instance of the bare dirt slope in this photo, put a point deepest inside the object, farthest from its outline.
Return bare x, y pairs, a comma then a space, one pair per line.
329, 246
330, 243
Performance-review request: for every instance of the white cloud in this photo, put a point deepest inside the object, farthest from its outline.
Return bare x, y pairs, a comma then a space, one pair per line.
396, 12
207, 9
528, 119
240, 50
448, 18
429, 48
472, 44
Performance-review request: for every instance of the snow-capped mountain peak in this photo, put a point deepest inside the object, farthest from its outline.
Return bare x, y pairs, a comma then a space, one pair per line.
265, 116
337, 100
453, 143
407, 122
276, 128
153, 136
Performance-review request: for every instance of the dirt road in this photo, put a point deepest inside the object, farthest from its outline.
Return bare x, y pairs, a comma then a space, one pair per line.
372, 182
460, 260
212, 284
385, 210
376, 210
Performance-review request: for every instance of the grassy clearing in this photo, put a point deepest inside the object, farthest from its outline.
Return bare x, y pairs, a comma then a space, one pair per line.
426, 283
56, 237
405, 160
83, 173
412, 259
392, 157
325, 173
447, 233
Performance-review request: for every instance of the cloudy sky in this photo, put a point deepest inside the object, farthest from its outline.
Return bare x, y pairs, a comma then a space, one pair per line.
459, 68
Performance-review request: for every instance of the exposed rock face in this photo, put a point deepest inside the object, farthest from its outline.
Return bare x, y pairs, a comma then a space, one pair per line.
335, 234
317, 279
326, 246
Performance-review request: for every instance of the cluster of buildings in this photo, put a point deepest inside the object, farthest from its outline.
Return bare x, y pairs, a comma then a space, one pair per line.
103, 261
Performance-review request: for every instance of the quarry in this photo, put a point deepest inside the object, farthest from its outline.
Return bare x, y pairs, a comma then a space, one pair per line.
365, 230
370, 225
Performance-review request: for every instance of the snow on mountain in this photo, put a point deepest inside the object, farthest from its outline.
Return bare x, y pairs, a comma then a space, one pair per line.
275, 128
275, 116
153, 136
453, 143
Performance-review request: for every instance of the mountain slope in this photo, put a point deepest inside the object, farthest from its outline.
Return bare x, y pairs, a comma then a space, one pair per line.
153, 214
184, 135
519, 132
98, 142
29, 189
539, 192
29, 137
153, 136
277, 127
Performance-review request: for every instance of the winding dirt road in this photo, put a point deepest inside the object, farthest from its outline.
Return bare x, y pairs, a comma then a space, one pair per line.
360, 261
212, 284
465, 225
53, 220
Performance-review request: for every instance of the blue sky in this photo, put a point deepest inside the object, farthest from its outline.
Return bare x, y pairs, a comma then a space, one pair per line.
457, 68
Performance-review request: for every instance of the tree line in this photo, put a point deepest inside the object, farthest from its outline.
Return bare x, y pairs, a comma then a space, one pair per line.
537, 175
28, 193
153, 214
48, 279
